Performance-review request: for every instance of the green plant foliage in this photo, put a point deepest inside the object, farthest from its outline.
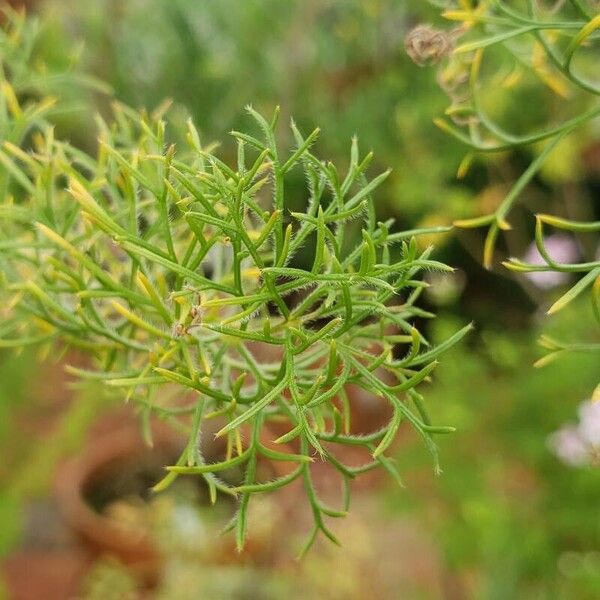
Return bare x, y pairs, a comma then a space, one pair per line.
176, 272
502, 43
33, 92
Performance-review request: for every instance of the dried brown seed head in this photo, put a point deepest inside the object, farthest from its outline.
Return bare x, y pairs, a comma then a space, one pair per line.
426, 45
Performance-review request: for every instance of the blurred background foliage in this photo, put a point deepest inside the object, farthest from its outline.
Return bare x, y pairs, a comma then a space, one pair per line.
340, 65
506, 518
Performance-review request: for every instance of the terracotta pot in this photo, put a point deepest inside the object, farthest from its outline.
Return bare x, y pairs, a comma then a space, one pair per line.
106, 455
110, 455
22, 4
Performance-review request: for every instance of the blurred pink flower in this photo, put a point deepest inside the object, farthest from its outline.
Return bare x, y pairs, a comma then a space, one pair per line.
579, 445
562, 249
568, 446
589, 423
